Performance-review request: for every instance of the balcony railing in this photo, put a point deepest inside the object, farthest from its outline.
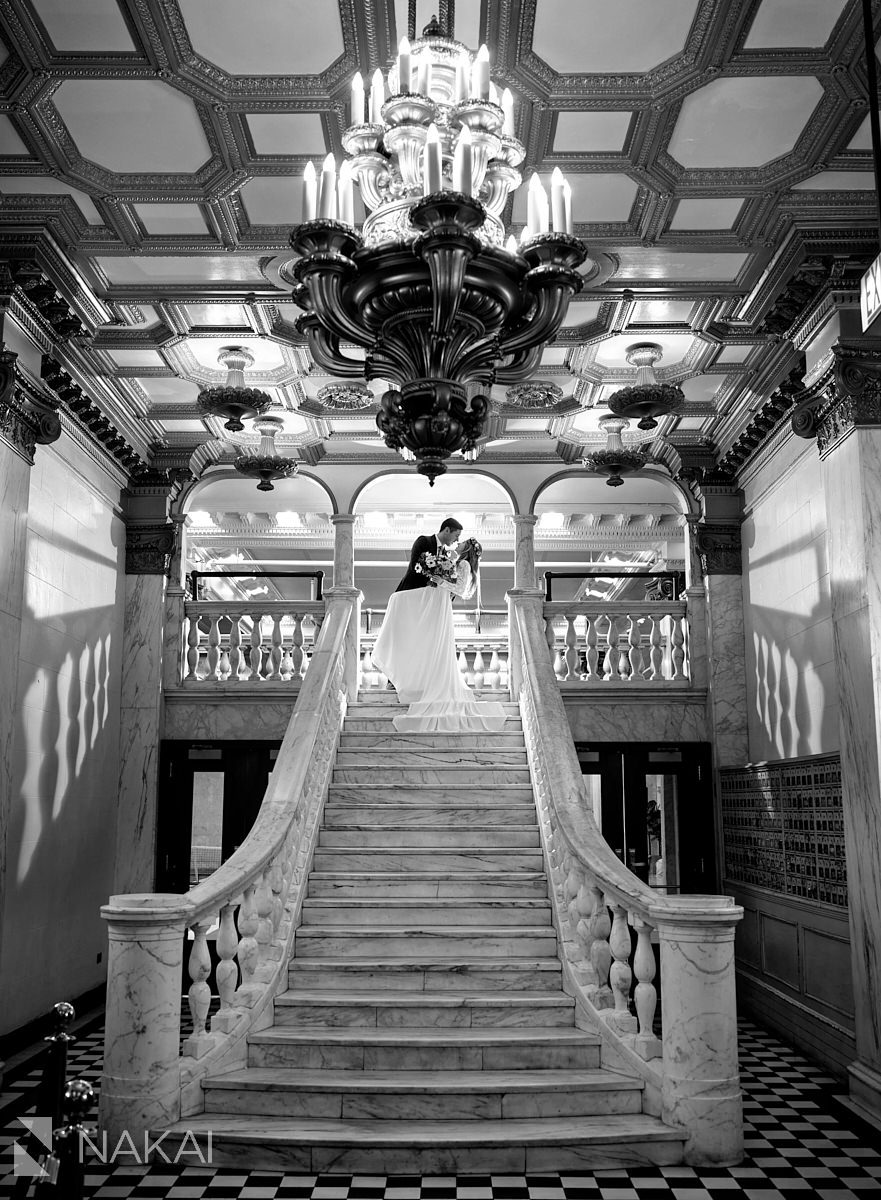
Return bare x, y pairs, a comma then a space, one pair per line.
245, 642
619, 642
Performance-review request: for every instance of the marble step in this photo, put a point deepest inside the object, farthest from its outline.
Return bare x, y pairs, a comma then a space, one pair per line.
401, 911
432, 1049
436, 776
442, 941
380, 859
431, 741
387, 698
316, 1145
490, 885
381, 725
403, 1010
372, 793
431, 976
429, 836
450, 757
502, 816
441, 1096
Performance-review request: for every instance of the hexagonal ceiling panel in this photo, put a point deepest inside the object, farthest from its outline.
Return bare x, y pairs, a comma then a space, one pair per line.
591, 132
274, 37
593, 37
133, 125
287, 133
790, 23
97, 25
724, 124
612, 352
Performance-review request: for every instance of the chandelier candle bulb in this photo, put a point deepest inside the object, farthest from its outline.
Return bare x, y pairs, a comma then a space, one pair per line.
462, 168
463, 77
567, 206
404, 65
536, 207
558, 207
377, 97
346, 193
310, 192
508, 110
432, 165
423, 74
358, 99
511, 244
480, 75
327, 190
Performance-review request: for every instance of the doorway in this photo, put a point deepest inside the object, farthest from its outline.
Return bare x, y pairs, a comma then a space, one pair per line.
654, 806
209, 797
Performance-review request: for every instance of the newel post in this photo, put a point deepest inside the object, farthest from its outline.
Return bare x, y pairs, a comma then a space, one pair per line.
701, 1082
344, 585
524, 587
140, 1085
352, 644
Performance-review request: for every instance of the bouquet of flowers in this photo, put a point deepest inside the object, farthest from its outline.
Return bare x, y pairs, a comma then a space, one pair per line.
436, 564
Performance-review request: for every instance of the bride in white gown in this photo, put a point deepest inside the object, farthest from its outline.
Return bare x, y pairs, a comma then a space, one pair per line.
416, 649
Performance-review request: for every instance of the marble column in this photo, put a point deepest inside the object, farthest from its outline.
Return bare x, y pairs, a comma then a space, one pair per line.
173, 637
148, 550
344, 584
524, 587
846, 419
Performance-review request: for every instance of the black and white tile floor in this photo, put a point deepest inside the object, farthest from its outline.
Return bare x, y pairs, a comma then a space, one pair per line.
800, 1142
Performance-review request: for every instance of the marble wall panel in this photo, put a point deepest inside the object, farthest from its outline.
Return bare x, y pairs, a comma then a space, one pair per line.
792, 695
190, 718
725, 669
65, 740
665, 718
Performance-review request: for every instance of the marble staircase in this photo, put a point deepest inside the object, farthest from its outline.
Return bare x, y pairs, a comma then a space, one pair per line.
425, 1029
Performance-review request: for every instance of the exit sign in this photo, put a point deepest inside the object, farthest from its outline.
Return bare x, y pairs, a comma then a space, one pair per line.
870, 294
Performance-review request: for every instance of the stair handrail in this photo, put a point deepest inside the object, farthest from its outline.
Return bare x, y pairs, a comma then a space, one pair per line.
691, 1076
150, 1080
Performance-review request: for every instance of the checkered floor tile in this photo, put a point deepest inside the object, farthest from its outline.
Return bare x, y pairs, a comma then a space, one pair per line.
801, 1142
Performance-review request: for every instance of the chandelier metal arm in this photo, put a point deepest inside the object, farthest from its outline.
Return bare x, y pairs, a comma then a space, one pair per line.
325, 281
521, 366
551, 301
324, 347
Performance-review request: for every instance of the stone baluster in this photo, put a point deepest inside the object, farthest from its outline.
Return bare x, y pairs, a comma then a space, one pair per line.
255, 655
298, 658
199, 995
610, 665
591, 656
264, 912
600, 951
227, 972
275, 654
656, 657
276, 883
248, 952
213, 647
503, 673
678, 651
551, 637
193, 648
634, 650
493, 676
571, 657
235, 653
479, 668
620, 974
645, 995
223, 668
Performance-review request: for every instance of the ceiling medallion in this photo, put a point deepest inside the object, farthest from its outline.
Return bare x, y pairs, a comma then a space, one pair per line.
647, 399
615, 460
534, 395
428, 286
267, 464
345, 397
233, 400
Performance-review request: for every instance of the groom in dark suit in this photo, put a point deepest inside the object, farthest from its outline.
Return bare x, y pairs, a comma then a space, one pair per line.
447, 535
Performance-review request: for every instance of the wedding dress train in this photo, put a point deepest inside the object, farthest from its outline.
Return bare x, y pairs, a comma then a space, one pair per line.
416, 650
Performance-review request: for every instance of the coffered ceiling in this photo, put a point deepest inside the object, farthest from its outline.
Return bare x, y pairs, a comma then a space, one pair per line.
150, 162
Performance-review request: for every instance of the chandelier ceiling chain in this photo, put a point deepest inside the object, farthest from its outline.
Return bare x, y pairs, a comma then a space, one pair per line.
442, 305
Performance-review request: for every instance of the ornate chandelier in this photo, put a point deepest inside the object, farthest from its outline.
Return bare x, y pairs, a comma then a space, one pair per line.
442, 304
615, 460
233, 400
647, 399
267, 464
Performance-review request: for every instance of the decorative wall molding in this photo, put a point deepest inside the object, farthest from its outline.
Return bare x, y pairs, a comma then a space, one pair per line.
148, 548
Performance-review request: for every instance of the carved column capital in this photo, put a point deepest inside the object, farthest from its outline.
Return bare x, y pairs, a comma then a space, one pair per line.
27, 419
718, 546
843, 394
149, 547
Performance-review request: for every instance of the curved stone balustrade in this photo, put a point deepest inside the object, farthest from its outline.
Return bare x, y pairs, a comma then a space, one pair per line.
246, 642
622, 641
253, 901
608, 921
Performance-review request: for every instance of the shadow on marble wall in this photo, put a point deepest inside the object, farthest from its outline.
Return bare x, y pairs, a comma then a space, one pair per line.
784, 646
62, 825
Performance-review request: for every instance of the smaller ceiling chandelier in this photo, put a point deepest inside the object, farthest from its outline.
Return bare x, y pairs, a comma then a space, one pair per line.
267, 464
615, 460
646, 399
430, 288
233, 400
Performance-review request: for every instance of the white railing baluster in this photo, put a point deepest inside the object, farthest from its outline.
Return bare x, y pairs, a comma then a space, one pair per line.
620, 974
571, 658
193, 648
297, 656
214, 647
227, 973
645, 996
199, 994
590, 637
235, 653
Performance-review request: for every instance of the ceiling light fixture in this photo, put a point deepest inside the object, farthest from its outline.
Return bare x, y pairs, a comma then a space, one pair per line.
267, 464
430, 287
646, 399
233, 400
616, 459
